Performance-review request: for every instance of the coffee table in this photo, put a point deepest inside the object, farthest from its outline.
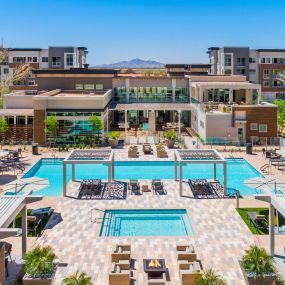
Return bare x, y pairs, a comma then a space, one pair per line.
154, 271
145, 188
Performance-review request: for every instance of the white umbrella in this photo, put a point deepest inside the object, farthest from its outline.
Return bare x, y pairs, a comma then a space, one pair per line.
31, 183
268, 185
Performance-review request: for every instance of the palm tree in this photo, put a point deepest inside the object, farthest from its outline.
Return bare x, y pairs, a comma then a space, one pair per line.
96, 124
77, 279
209, 277
257, 262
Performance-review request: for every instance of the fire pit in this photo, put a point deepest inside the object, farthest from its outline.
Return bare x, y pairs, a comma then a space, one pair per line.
154, 267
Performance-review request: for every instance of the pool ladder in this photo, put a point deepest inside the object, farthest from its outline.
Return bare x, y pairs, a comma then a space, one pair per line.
266, 168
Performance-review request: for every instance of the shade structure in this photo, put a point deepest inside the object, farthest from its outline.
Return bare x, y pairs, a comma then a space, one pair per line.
265, 184
26, 184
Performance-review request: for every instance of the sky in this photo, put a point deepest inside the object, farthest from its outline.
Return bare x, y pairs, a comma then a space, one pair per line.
169, 31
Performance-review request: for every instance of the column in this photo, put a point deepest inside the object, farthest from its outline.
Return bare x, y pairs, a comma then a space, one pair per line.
109, 178
180, 178
225, 178
24, 230
113, 168
126, 122
259, 99
190, 91
271, 229
107, 122
151, 121
215, 171
173, 89
231, 96
64, 179
179, 123
175, 166
128, 89
73, 172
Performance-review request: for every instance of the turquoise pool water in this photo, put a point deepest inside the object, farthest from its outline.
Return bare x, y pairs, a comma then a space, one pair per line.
146, 223
237, 171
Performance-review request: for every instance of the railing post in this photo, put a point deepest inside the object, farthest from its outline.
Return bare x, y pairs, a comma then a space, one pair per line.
237, 199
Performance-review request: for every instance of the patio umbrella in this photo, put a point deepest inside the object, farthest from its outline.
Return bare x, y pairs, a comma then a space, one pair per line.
268, 185
31, 184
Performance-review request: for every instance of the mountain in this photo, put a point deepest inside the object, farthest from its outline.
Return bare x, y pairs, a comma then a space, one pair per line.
134, 63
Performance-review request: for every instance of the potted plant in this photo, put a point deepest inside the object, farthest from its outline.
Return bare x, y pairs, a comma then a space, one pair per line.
39, 266
77, 279
209, 277
258, 266
113, 139
170, 135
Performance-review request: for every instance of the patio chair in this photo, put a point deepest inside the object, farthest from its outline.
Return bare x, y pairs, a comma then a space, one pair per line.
34, 222
157, 187
134, 187
121, 252
188, 276
147, 149
186, 253
133, 152
160, 280
259, 221
119, 276
161, 152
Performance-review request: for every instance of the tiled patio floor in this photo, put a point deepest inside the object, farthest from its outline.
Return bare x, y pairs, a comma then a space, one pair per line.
220, 236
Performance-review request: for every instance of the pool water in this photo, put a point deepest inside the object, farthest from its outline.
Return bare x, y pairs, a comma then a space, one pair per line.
237, 171
146, 223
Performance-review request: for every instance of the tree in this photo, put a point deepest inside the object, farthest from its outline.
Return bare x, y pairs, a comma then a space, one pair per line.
3, 128
77, 279
209, 277
281, 114
257, 262
97, 125
52, 126
21, 72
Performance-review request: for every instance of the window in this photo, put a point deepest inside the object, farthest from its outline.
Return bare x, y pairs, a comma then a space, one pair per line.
35, 59
265, 60
241, 61
228, 71
253, 126
99, 86
252, 71
241, 71
252, 60
78, 86
19, 59
266, 73
69, 59
280, 96
89, 86
31, 82
10, 120
263, 128
6, 70
266, 83
56, 61
30, 120
20, 120
44, 59
228, 60
29, 59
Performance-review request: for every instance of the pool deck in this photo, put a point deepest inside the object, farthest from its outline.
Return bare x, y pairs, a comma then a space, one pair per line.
220, 235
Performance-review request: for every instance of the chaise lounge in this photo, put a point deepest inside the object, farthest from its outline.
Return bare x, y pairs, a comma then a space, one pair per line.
189, 273
119, 276
134, 187
157, 187
147, 148
121, 252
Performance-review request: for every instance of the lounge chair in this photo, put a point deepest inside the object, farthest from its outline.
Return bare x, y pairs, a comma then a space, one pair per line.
133, 152
121, 252
157, 187
259, 221
147, 149
134, 187
119, 276
186, 252
160, 280
188, 276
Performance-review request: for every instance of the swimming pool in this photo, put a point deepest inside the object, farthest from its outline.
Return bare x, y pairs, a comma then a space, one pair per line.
146, 223
237, 171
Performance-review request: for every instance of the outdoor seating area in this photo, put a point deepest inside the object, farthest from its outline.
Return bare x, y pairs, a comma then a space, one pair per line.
90, 187
275, 158
172, 126
10, 160
204, 188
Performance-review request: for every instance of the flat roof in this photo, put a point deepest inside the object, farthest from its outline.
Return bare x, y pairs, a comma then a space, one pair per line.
25, 49
16, 112
199, 155
270, 50
218, 84
277, 201
77, 71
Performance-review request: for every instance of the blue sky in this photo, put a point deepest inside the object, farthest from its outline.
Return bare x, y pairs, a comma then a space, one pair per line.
170, 31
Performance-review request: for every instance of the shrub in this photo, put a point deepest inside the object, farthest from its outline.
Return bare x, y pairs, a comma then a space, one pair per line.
209, 277
114, 135
170, 135
77, 279
39, 263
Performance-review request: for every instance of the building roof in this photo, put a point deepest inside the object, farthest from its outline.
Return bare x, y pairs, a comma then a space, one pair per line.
271, 50
16, 112
226, 84
188, 66
77, 71
26, 49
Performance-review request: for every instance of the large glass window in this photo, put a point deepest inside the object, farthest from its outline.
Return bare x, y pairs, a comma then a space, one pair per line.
228, 60
10, 120
181, 95
120, 94
20, 120
219, 95
69, 59
30, 120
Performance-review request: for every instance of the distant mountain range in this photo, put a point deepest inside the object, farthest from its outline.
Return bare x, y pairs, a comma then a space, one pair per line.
134, 63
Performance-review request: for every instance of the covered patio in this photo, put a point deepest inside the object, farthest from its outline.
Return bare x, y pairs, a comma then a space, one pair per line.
88, 157
202, 156
10, 207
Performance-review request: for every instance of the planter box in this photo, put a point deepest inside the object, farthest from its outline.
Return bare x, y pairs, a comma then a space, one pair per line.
267, 280
170, 143
30, 281
113, 143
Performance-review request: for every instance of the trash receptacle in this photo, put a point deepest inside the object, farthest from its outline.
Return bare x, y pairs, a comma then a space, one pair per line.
248, 148
35, 149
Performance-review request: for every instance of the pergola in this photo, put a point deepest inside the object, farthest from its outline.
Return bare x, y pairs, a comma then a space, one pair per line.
275, 202
194, 156
89, 157
10, 207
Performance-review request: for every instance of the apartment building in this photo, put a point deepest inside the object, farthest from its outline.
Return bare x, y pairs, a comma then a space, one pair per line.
50, 58
262, 66
214, 106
